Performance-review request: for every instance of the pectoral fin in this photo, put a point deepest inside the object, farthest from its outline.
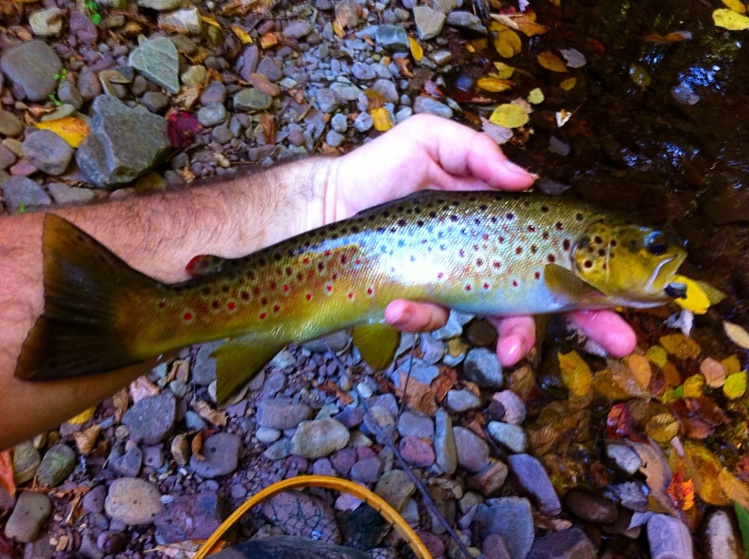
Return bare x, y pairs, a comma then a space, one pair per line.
563, 282
240, 360
377, 344
205, 265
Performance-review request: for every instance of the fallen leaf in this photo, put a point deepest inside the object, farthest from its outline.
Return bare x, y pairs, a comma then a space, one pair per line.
419, 395
639, 75
562, 117
509, 116
641, 369
698, 416
242, 34
536, 96
680, 346
205, 411
734, 488
671, 374
268, 126
551, 62
86, 440
662, 427
696, 300
71, 129
417, 52
142, 388
196, 446
657, 355
82, 417
728, 19
735, 385
657, 472
714, 372
675, 37
210, 21
446, 381
493, 84
568, 84
742, 516
269, 40
573, 58
732, 364
504, 71
381, 119
681, 491
181, 127
619, 422
735, 5
520, 22
120, 400
508, 43
6, 473
694, 386
704, 467
332, 389
736, 334
576, 373
498, 133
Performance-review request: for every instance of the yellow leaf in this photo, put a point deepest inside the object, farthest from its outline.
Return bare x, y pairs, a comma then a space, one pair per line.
71, 129
735, 385
508, 43
737, 334
416, 51
734, 488
338, 30
381, 119
662, 427
639, 75
657, 355
680, 346
605, 383
241, 34
576, 373
728, 19
536, 96
696, 300
641, 369
736, 5
504, 71
732, 364
493, 85
704, 467
210, 21
509, 116
82, 417
694, 386
551, 61
568, 84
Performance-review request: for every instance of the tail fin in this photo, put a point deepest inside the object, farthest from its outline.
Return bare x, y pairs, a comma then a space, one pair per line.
78, 333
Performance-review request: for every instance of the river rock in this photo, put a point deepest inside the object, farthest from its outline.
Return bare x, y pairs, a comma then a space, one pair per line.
48, 152
133, 501
10, 125
490, 479
669, 538
83, 28
446, 454
513, 406
319, 438
93, 501
721, 539
282, 413
64, 194
429, 22
473, 452
415, 425
124, 143
564, 544
251, 99
221, 456
482, 367
461, 401
157, 59
190, 517
511, 436
417, 452
494, 547
22, 194
534, 479
510, 518
28, 516
431, 106
186, 20
590, 507
625, 457
32, 66
367, 470
396, 488
467, 20
57, 464
26, 460
212, 114
161, 5
126, 462
46, 23
151, 419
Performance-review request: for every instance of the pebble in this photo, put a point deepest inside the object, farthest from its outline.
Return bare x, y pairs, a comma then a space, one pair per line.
363, 71
282, 413
395, 487
279, 449
32, 66
721, 539
451, 329
490, 479
415, 425
160, 5
267, 435
591, 507
511, 436
26, 460
68, 93
153, 456
185, 20
190, 517
534, 479
466, 20
157, 59
10, 125
460, 401
631, 495
446, 454
430, 106
302, 516
417, 452
346, 91
327, 100
429, 22
392, 38
510, 518
571, 543
625, 457
132, 501
212, 114
367, 470
482, 367
334, 139
472, 450
29, 515
194, 75
445, 6
48, 152
343, 460
297, 29
57, 464
111, 542
270, 68
88, 83
513, 406
151, 419
319, 438
46, 23
221, 456
93, 501
7, 157
669, 538
339, 123
363, 122
83, 28
251, 99
494, 547
128, 462
214, 92
21, 194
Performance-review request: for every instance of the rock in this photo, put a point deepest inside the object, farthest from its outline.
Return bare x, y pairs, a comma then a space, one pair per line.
194, 75
7, 157
26, 460
510, 518
721, 539
282, 413
64, 194
363, 122
415, 425
669, 538
212, 114
431, 348
466, 20
625, 457
494, 547
295, 510
93, 501
334, 139
46, 23
48, 152
124, 143
111, 542
221, 453
511, 436
160, 5
513, 406
460, 401
32, 66
344, 460
214, 92
151, 419
429, 22
267, 435
367, 470
284, 359
482, 367
28, 516
534, 479
88, 84
362, 71
473, 452
21, 194
591, 507
451, 329
430, 106
392, 37
395, 487
270, 68
490, 479
83, 28
9, 124
417, 452
347, 12
444, 443
157, 59
297, 29
248, 62
631, 494
319, 438
190, 517
327, 100
57, 464
571, 543
133, 501
187, 20
127, 462
68, 93
442, 57
252, 99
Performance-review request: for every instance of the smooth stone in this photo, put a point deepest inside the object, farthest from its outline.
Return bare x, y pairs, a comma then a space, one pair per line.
571, 543
194, 75
396, 488
93, 501
83, 28
319, 438
10, 125
417, 452
494, 547
327, 100
411, 424
128, 462
111, 542
212, 114
267, 435
625, 457
466, 20
344, 460
490, 479
185, 45
446, 453
482, 367
460, 401
187, 20
160, 5
221, 452
57, 464
151, 419
534, 479
721, 538
28, 516
387, 89
157, 59
432, 349
270, 68
430, 106
133, 501
429, 22
339, 123
21, 194
48, 152
631, 495
251, 99
88, 83
68, 93
214, 92
445, 6
346, 91
282, 413
297, 29
512, 519
367, 470
204, 371
46, 23
442, 57
451, 329
334, 139
248, 62
669, 538
511, 436
363, 122
64, 194
512, 404
284, 359
363, 71
591, 507
7, 157
190, 517
32, 66
392, 37
26, 460
473, 452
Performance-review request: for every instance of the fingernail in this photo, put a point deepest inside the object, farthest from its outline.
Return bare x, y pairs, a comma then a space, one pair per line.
403, 319
517, 169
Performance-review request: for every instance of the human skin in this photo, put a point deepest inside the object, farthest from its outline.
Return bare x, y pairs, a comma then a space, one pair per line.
160, 233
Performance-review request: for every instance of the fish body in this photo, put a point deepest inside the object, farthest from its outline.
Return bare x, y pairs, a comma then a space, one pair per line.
486, 253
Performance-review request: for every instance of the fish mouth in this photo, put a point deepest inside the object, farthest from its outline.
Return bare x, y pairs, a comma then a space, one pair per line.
663, 278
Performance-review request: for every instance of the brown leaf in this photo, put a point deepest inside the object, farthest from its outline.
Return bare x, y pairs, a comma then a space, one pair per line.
121, 400
641, 369
142, 388
444, 382
180, 371
619, 422
681, 491
657, 473
196, 446
86, 440
419, 396
332, 389
268, 125
734, 488
704, 467
698, 416
6, 473
680, 346
205, 411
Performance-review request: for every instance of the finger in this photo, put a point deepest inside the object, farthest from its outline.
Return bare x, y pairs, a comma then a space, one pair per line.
607, 328
415, 317
517, 336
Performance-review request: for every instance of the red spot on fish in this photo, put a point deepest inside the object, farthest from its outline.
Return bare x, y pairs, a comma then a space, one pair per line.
245, 295
566, 244
162, 304
305, 260
479, 262
357, 261
551, 258
286, 288
276, 308
344, 259
468, 287
350, 294
531, 229
514, 283
308, 296
370, 291
518, 250
497, 264
256, 291
328, 288
537, 275
187, 316
486, 286
559, 225
335, 277
263, 315
320, 266
327, 253
231, 305
273, 285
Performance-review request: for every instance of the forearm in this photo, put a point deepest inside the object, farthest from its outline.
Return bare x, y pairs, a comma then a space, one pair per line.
157, 235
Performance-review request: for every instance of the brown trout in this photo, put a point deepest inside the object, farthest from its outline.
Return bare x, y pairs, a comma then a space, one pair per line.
488, 253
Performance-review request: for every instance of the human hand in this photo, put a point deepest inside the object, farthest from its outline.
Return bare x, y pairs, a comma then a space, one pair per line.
431, 152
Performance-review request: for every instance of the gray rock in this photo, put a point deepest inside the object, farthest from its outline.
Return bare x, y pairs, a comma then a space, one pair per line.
46, 23
214, 92
327, 100
431, 106
446, 454
510, 518
83, 28
22, 194
339, 123
267, 435
387, 89
367, 470
392, 37
284, 359
194, 75
48, 152
396, 488
429, 22
212, 114
417, 452
346, 91
93, 501
363, 71
221, 453
460, 401
442, 57
534, 479
445, 6
625, 457
482, 367
28, 516
270, 68
251, 99
411, 424
124, 143
128, 462
363, 122
160, 5
64, 194
57, 464
631, 494
157, 59
473, 452
68, 93
490, 479
513, 406
204, 371
151, 419
278, 450
282, 413
88, 84
7, 157
187, 20
222, 134
334, 139
721, 538
511, 436
32, 66
297, 29
319, 438
466, 20
452, 328
248, 62
190, 517
10, 125
26, 460
669, 538
494, 547
571, 543
133, 501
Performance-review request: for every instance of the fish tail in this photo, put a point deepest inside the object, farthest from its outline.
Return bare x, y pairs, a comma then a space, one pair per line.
79, 332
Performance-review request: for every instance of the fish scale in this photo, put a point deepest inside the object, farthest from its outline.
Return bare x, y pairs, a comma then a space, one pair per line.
482, 252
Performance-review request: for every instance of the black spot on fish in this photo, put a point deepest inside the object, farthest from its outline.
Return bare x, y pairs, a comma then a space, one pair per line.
456, 203
588, 264
559, 226
206, 291
579, 217
534, 249
598, 239
401, 208
612, 243
483, 207
518, 250
494, 219
544, 209
402, 222
601, 252
453, 218
566, 244
545, 235
420, 223
354, 229
433, 214
510, 216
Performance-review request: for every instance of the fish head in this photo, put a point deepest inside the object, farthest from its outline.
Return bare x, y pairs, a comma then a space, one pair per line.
631, 264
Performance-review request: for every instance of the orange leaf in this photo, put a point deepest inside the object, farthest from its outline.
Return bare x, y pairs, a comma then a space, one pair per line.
704, 467
71, 129
681, 492
640, 367
551, 61
734, 488
6, 473
680, 346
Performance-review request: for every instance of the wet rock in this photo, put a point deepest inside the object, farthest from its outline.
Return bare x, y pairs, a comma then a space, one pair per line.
212, 114
513, 406
347, 11
430, 106
126, 462
367, 470
429, 22
303, 516
510, 518
392, 37
133, 501
10, 125
46, 23
26, 460
279, 449
93, 501
32, 66
251, 99
379, 416
395, 487
48, 152
270, 68
490, 479
28, 517
464, 400
151, 419
124, 143
564, 544
494, 547
21, 194
248, 62
221, 453
511, 436
482, 367
83, 28
466, 20
190, 517
111, 542
89, 85
446, 454
57, 464
319, 438
415, 425
417, 452
282, 413
590, 507
625, 457
721, 539
334, 139
631, 495
297, 29
157, 59
473, 452
534, 479
186, 20
669, 538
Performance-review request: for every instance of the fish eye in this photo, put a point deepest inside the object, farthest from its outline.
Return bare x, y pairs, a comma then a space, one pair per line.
656, 243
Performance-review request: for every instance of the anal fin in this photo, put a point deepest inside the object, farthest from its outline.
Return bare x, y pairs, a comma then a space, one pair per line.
238, 361
377, 344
